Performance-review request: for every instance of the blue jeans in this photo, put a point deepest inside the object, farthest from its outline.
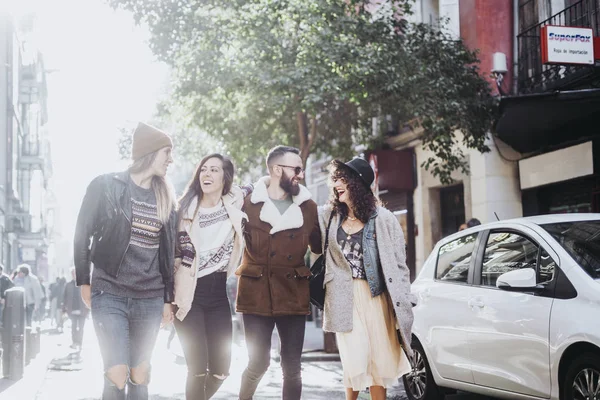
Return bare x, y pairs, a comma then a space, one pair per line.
126, 329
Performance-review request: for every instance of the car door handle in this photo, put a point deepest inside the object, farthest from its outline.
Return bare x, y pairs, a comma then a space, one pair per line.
476, 303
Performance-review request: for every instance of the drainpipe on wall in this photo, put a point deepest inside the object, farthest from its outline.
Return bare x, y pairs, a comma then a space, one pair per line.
515, 46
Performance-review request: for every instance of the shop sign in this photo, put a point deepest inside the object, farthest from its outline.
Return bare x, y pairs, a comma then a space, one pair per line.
567, 45
28, 254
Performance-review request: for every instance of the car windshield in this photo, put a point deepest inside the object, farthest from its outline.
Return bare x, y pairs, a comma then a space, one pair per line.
581, 239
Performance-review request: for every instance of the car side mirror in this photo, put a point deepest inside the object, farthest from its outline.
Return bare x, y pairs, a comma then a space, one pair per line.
519, 280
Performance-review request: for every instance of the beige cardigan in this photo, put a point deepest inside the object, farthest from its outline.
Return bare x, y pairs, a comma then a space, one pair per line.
185, 278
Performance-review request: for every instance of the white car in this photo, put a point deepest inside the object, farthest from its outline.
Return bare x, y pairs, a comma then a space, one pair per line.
511, 309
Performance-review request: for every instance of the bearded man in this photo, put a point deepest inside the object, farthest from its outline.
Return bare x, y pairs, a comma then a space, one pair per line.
273, 288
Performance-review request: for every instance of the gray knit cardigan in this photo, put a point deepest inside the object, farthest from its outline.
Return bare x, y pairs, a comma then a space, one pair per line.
337, 314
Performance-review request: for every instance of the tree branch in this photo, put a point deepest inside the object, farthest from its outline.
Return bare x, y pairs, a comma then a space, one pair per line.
301, 129
309, 140
313, 133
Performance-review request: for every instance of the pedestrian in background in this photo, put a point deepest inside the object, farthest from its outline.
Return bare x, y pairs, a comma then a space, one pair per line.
273, 289
41, 312
33, 291
17, 280
57, 290
5, 284
469, 224
127, 228
76, 310
367, 282
210, 245
473, 222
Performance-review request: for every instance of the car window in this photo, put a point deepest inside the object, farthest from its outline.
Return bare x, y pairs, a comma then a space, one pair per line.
506, 252
454, 259
581, 239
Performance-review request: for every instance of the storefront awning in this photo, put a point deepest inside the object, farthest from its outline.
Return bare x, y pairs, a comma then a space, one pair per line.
533, 122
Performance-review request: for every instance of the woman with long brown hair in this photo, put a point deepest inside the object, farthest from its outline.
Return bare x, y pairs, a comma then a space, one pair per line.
367, 282
210, 245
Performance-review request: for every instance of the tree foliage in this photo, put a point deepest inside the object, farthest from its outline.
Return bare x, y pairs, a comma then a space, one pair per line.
315, 74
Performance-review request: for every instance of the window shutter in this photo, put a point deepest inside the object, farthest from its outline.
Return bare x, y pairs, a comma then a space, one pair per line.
449, 10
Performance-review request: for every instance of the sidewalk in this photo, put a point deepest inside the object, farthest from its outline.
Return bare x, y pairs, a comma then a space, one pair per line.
35, 371
83, 380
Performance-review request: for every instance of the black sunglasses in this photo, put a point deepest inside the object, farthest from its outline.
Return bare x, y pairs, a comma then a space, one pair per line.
297, 170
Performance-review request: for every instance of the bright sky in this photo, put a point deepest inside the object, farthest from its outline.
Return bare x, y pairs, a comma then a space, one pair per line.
105, 77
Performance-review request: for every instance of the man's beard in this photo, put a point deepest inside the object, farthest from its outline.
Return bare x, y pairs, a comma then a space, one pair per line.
288, 186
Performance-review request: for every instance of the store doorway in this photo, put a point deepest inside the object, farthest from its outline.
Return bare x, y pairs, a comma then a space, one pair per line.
452, 205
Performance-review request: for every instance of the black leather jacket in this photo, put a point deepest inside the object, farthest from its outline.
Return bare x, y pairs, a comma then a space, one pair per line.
103, 232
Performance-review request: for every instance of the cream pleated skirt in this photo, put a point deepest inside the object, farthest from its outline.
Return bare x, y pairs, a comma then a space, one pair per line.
371, 354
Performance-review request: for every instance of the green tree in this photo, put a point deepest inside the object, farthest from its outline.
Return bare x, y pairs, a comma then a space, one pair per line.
315, 73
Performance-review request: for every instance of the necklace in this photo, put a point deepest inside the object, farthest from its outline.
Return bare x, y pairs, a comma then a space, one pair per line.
351, 218
350, 228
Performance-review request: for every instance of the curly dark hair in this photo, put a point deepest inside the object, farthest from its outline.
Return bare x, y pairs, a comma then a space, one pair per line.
363, 200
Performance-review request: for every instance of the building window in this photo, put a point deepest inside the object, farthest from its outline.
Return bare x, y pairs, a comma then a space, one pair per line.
449, 9
528, 14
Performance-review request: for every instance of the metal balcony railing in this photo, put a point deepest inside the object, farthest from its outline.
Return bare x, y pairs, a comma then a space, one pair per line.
533, 76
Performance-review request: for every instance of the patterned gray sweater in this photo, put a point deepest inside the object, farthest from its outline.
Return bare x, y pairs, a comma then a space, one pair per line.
139, 276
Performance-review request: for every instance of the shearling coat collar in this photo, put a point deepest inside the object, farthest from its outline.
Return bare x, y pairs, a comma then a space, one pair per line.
292, 218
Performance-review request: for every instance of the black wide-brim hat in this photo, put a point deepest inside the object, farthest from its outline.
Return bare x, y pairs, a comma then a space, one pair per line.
360, 167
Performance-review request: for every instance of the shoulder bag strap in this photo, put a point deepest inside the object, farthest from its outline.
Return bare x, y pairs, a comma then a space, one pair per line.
327, 233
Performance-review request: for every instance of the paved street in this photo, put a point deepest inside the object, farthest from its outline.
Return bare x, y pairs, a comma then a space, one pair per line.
46, 379
80, 380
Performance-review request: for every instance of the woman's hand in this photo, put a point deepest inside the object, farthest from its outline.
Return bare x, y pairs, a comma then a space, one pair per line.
86, 295
168, 315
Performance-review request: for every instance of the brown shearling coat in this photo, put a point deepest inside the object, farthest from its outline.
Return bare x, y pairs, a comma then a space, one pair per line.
273, 276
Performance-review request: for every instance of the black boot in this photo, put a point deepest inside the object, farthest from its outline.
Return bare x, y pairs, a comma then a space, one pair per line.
195, 387
212, 385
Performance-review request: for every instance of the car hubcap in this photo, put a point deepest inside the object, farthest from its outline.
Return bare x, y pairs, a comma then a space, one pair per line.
417, 377
586, 385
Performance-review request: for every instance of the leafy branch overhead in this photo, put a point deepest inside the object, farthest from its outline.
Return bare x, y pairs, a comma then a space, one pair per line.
315, 74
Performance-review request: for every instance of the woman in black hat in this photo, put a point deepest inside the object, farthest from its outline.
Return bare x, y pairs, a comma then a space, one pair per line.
367, 282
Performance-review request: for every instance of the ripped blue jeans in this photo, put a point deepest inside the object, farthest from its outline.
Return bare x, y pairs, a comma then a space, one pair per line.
126, 329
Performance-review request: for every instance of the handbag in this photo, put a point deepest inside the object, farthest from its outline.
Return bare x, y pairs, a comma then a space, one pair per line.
317, 290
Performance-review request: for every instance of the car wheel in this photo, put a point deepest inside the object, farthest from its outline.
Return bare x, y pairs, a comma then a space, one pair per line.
582, 381
419, 383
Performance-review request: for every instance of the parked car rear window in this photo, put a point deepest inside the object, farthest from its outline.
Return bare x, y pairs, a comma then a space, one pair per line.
454, 259
581, 239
